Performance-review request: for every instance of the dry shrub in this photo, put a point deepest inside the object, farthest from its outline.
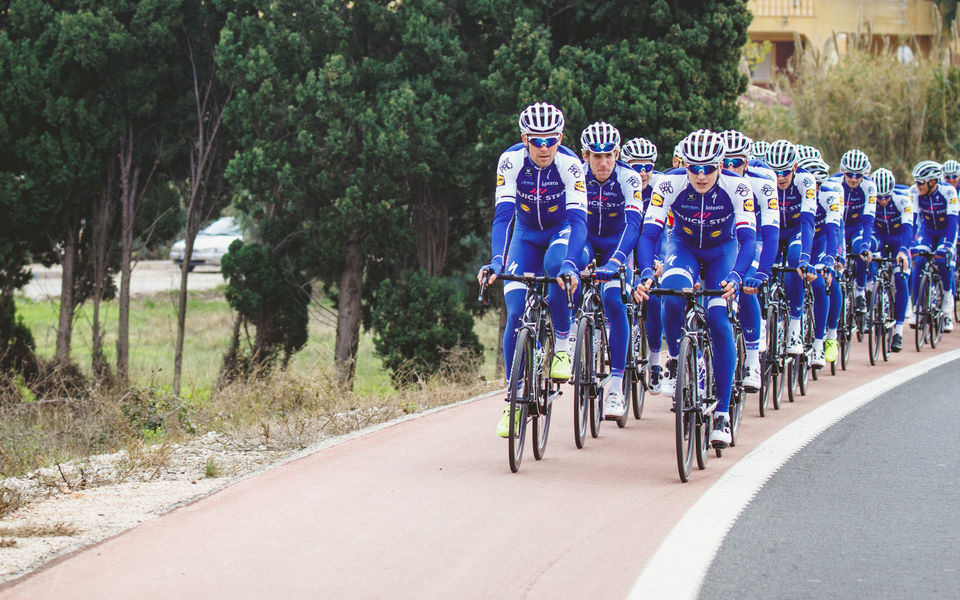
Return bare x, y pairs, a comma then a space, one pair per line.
58, 380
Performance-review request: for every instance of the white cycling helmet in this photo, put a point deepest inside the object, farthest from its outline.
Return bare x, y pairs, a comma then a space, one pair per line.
759, 149
925, 170
738, 145
854, 161
807, 152
678, 150
884, 180
951, 168
702, 147
600, 137
782, 154
817, 167
639, 149
541, 118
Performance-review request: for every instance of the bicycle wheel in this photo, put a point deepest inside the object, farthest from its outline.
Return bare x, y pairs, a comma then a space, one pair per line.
685, 405
543, 386
582, 381
845, 332
804, 369
768, 374
705, 422
936, 314
521, 369
874, 328
889, 318
781, 382
598, 367
922, 312
640, 350
737, 395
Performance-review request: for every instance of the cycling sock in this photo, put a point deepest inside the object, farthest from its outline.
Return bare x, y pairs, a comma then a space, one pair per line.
616, 382
818, 344
831, 334
858, 292
725, 415
898, 329
563, 343
753, 356
654, 359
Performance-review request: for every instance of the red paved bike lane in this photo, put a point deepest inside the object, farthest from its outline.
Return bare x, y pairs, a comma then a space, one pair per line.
428, 508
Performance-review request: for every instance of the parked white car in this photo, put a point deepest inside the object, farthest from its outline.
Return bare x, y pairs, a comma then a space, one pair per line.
211, 244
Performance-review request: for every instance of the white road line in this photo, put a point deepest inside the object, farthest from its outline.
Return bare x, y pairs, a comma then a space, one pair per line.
679, 565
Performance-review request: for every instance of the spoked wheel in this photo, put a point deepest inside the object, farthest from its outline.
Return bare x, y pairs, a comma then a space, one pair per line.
737, 395
598, 367
684, 403
922, 312
641, 350
875, 328
768, 382
546, 389
521, 370
705, 422
889, 317
582, 380
936, 315
627, 391
780, 381
845, 331
792, 373
805, 369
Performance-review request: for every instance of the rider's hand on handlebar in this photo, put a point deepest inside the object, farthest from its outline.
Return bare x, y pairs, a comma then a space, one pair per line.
568, 269
490, 272
608, 271
640, 291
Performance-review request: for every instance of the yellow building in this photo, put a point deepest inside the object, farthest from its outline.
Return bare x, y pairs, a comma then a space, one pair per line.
832, 26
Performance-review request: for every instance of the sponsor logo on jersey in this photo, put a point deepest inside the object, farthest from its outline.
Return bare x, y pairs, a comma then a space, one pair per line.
613, 214
748, 204
716, 233
553, 209
528, 172
633, 182
854, 215
666, 187
688, 231
579, 186
772, 203
505, 165
576, 171
638, 195
811, 193
525, 208
907, 209
872, 200
835, 207
743, 189
501, 180
656, 199
766, 190
953, 200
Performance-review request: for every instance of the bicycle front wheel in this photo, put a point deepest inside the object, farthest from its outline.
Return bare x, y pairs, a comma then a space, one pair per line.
582, 381
543, 386
521, 370
875, 327
685, 404
640, 350
768, 381
936, 314
922, 312
737, 396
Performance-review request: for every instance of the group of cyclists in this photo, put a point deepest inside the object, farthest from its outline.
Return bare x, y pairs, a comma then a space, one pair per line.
721, 219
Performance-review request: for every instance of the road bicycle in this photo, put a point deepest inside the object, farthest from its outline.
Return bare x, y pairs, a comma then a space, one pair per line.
531, 391
881, 317
637, 369
928, 307
695, 395
773, 361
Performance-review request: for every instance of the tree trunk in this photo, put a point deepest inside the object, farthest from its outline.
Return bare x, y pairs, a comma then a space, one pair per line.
102, 221
67, 304
129, 176
349, 314
432, 226
192, 228
228, 372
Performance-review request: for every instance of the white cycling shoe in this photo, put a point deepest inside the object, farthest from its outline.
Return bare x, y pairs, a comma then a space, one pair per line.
613, 405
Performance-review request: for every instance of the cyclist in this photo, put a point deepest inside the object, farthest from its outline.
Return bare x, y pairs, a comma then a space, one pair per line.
805, 152
713, 215
797, 197
860, 201
678, 155
826, 238
893, 228
541, 188
764, 185
758, 153
951, 173
641, 154
937, 208
614, 202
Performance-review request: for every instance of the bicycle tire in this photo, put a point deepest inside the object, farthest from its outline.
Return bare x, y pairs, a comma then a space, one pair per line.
581, 382
627, 388
543, 353
792, 376
767, 362
805, 369
937, 311
738, 395
922, 313
640, 350
874, 327
705, 422
889, 318
684, 401
845, 333
521, 367
597, 369
781, 381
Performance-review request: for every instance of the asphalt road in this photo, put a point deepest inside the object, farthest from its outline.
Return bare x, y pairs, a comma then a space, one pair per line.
149, 277
868, 510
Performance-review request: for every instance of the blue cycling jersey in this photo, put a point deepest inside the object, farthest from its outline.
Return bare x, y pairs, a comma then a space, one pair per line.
860, 203
938, 210
798, 209
614, 208
829, 220
767, 212
894, 221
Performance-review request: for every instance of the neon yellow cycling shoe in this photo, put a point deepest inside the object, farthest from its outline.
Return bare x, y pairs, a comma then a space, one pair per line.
561, 367
503, 427
831, 349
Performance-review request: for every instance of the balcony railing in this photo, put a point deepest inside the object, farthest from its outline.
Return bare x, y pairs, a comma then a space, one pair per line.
783, 8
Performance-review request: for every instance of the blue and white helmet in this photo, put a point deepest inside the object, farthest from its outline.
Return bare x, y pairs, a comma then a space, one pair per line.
925, 170
884, 180
639, 149
738, 145
951, 168
541, 118
807, 152
600, 137
817, 167
782, 154
854, 161
702, 147
759, 149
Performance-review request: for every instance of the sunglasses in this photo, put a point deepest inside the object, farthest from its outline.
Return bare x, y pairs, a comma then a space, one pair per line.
646, 168
951, 176
782, 172
883, 196
548, 142
601, 148
736, 163
853, 175
923, 181
701, 169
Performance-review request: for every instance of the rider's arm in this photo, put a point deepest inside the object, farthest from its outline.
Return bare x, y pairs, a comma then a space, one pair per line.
905, 206
654, 224
953, 209
766, 195
807, 186
832, 201
506, 195
869, 213
746, 223
633, 206
572, 175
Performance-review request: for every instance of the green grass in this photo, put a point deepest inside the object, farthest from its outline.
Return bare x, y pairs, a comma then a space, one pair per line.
153, 331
